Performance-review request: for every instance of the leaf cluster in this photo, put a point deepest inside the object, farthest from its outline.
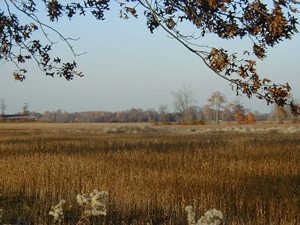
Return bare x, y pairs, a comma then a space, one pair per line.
17, 44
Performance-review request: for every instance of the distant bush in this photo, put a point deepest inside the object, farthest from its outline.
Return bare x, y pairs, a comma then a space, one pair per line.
129, 129
198, 122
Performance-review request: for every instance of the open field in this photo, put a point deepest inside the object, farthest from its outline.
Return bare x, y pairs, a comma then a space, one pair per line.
261, 127
250, 173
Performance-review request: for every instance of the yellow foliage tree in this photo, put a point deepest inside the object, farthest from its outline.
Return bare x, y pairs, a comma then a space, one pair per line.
239, 117
249, 119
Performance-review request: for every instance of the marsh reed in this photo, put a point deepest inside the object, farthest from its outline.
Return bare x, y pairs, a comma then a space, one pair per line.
151, 177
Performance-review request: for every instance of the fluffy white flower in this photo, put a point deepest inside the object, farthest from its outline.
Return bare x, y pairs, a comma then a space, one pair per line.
1, 213
57, 211
189, 208
211, 217
191, 215
83, 199
94, 203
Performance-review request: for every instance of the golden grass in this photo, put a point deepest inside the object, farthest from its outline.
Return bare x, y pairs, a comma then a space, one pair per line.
252, 178
37, 126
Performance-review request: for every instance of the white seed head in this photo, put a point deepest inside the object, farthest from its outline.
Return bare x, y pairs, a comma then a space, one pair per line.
189, 208
94, 203
57, 211
211, 217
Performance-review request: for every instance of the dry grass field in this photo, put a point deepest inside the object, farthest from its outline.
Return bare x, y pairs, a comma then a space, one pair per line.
250, 173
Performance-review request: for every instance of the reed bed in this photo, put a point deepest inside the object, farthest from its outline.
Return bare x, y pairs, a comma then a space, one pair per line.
150, 177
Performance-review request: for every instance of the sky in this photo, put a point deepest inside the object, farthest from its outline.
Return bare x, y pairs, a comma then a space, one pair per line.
125, 66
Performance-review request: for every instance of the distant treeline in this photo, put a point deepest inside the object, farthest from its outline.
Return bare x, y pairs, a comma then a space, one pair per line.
138, 116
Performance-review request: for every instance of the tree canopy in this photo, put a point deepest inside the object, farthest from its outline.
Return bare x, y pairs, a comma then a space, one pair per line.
265, 24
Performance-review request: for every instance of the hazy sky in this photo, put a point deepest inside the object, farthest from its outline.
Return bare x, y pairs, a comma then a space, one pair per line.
126, 66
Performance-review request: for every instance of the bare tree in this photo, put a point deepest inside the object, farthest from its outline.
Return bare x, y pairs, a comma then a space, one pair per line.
239, 107
216, 100
2, 106
151, 114
279, 113
25, 109
162, 110
184, 98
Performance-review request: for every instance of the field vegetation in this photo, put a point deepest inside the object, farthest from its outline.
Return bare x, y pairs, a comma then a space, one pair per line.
151, 173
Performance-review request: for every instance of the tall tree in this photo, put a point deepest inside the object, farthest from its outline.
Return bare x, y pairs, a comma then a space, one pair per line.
184, 98
208, 113
239, 111
227, 112
2, 106
162, 110
264, 24
216, 101
279, 113
25, 109
239, 107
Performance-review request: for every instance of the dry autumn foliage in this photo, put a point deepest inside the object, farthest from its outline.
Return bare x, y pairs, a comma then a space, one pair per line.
249, 119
